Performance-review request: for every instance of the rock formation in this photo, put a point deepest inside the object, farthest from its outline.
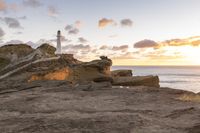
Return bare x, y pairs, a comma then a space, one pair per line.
42, 64
152, 81
122, 73
88, 71
67, 95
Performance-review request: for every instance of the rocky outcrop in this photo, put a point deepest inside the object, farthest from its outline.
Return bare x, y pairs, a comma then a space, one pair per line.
11, 53
151, 81
122, 73
47, 49
93, 70
97, 71
42, 64
61, 74
91, 86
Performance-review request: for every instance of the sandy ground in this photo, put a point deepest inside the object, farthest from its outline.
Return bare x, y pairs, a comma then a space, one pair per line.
54, 107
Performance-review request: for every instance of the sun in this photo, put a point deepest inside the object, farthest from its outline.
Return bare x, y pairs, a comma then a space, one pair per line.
191, 54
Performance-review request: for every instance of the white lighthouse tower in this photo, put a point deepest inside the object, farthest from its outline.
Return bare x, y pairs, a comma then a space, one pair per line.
58, 48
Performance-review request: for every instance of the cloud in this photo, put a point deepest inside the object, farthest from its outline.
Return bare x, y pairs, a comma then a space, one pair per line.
146, 44
11, 22
5, 6
126, 22
71, 30
82, 40
18, 33
120, 48
14, 42
32, 3
127, 55
113, 36
22, 17
69, 27
2, 33
52, 11
78, 24
78, 47
105, 22
191, 41
63, 39
104, 47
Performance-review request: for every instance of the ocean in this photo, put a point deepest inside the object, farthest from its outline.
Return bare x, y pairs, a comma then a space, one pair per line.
177, 77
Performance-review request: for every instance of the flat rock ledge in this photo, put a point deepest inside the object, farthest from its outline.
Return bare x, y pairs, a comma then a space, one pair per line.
57, 107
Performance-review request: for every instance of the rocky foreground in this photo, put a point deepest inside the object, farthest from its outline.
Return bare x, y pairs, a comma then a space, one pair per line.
41, 92
56, 107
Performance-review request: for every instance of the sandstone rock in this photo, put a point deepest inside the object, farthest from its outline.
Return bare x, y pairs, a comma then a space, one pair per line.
11, 53
91, 86
103, 79
61, 74
97, 70
47, 49
122, 73
151, 81
16, 51
72, 70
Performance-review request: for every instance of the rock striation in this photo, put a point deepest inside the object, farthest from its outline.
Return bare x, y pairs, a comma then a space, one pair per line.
151, 81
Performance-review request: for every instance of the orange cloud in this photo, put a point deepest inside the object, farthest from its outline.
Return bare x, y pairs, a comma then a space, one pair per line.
78, 24
5, 6
191, 41
105, 22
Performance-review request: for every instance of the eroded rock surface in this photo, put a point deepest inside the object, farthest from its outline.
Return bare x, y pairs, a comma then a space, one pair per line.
89, 71
151, 81
56, 107
122, 73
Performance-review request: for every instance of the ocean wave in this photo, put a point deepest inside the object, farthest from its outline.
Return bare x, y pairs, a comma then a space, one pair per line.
179, 81
182, 75
174, 81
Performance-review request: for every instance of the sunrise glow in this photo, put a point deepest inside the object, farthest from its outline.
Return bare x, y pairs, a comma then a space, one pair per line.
158, 34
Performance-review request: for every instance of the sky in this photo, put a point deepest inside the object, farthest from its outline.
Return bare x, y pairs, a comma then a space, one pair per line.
130, 32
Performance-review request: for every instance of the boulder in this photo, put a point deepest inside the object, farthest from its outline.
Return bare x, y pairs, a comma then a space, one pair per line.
151, 81
122, 73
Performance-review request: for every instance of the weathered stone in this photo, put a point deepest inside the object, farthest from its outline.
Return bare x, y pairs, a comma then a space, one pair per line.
97, 70
122, 73
103, 79
61, 74
91, 86
151, 81
74, 71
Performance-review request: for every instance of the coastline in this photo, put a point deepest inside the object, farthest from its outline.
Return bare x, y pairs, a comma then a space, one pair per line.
42, 92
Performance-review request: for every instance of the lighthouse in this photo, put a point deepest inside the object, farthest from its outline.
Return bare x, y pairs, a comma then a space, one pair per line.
58, 48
